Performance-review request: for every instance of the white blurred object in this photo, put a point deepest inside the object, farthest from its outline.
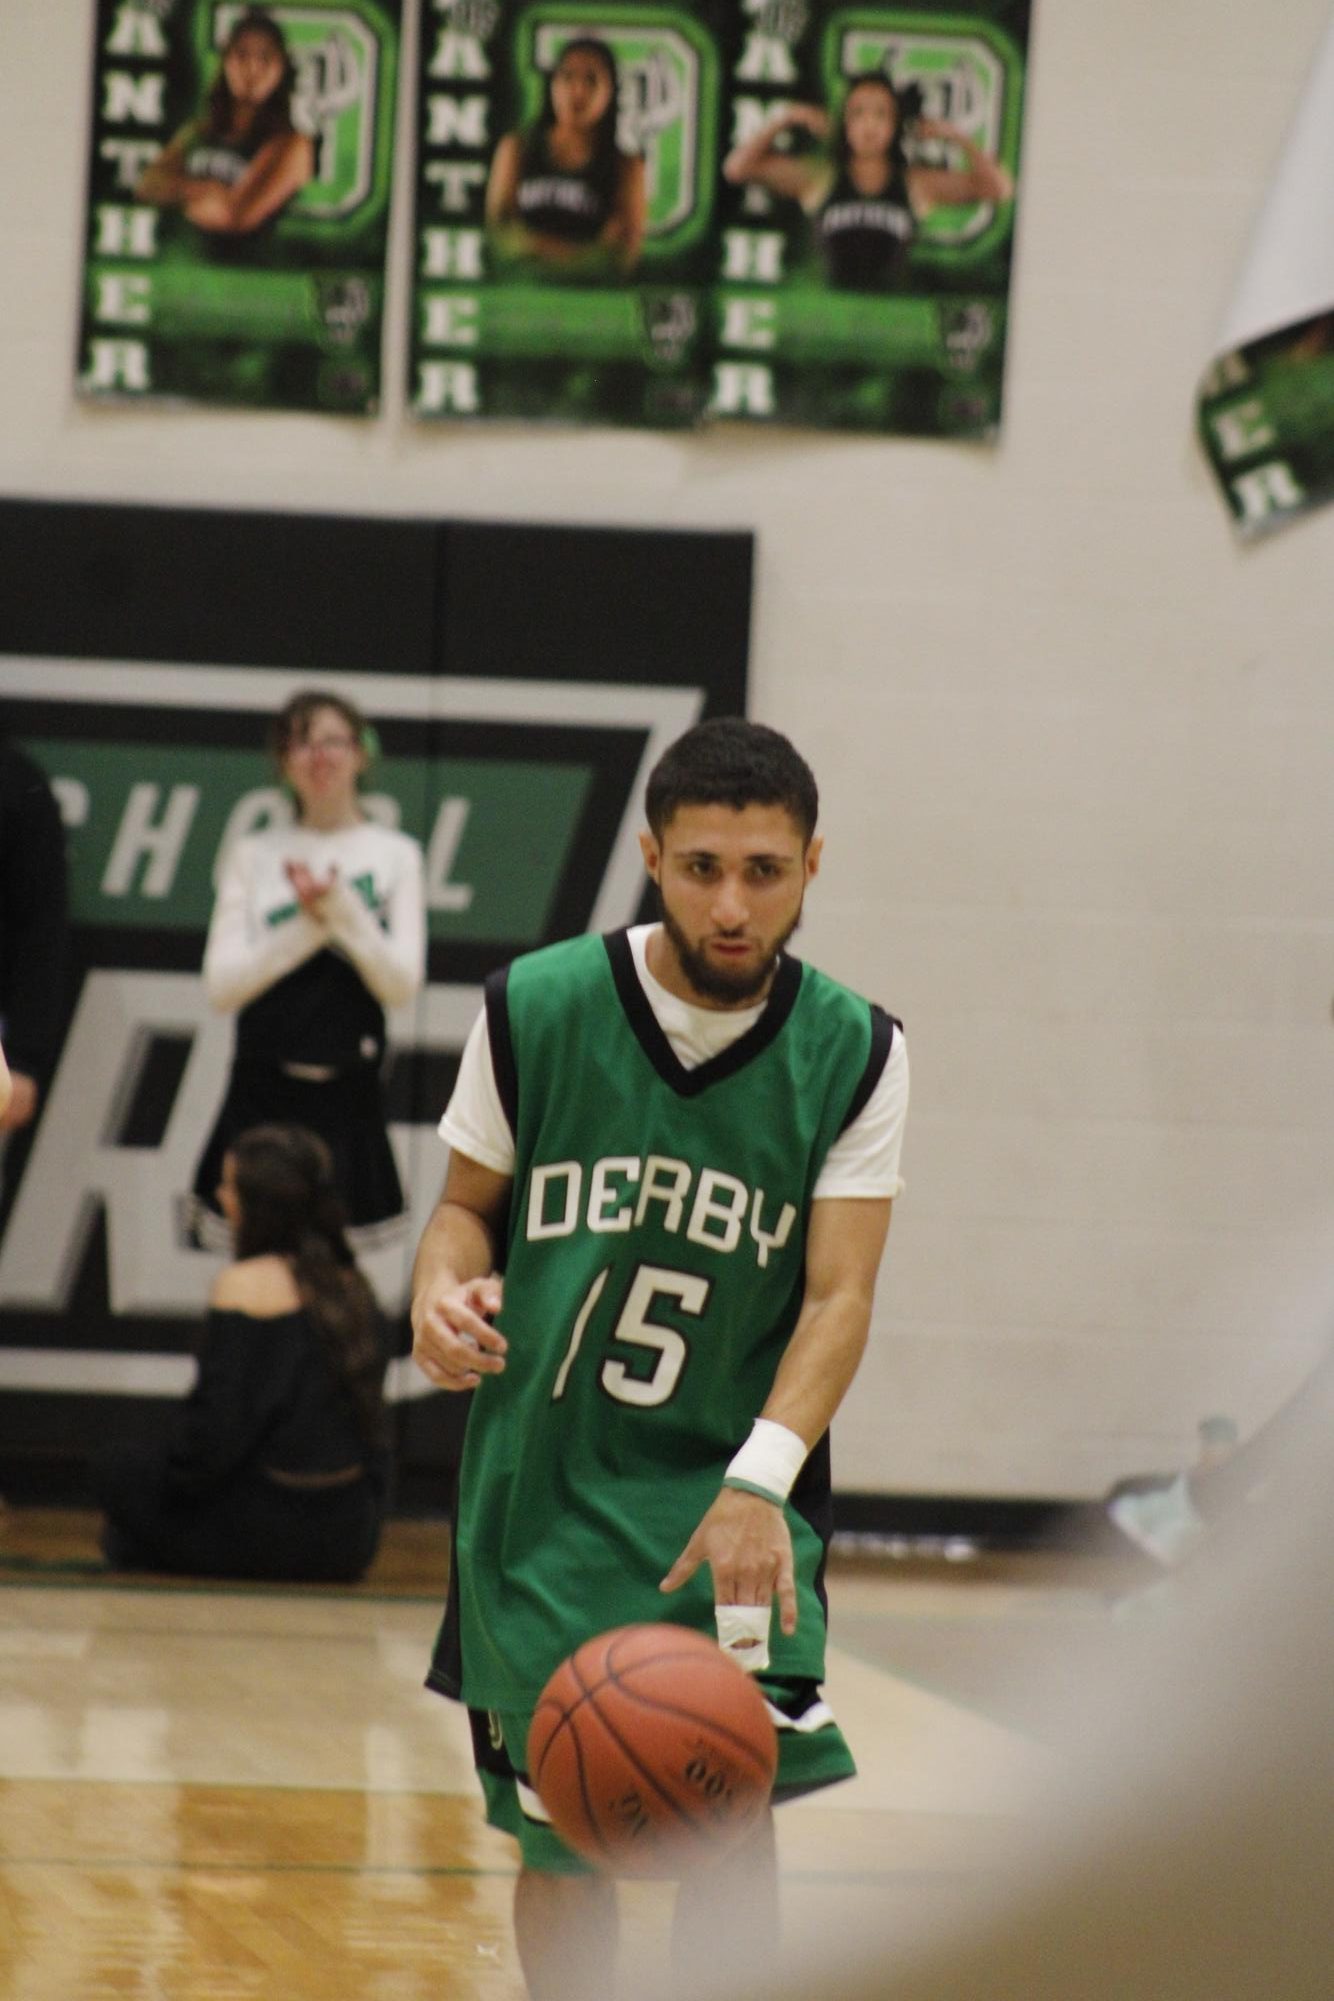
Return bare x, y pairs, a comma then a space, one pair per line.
1162, 1521
1185, 1849
743, 1634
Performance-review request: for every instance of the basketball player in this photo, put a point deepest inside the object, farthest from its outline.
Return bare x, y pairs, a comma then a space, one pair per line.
681, 1145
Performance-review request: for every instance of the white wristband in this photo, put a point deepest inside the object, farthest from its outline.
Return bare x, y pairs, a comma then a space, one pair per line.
768, 1462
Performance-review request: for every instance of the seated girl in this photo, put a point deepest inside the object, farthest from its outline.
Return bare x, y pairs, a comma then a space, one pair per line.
276, 1464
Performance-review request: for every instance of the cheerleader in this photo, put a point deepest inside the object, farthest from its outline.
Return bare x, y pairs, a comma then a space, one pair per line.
317, 929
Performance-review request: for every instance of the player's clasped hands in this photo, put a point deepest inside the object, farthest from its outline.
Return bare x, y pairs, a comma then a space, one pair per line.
453, 1341
744, 1540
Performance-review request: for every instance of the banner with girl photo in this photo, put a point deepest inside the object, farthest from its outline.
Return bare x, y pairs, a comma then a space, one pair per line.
566, 171
238, 202
791, 211
1265, 409
868, 216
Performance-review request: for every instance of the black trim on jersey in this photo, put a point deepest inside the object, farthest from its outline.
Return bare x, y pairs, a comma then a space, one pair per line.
445, 1674
487, 1755
649, 1033
502, 1045
791, 1695
813, 1498
882, 1041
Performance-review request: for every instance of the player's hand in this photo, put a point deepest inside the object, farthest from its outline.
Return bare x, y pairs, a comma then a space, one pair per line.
745, 1542
453, 1342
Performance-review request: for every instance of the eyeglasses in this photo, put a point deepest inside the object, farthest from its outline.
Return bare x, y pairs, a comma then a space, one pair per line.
310, 744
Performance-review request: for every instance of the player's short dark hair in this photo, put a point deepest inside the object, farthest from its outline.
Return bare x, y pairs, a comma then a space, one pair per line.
730, 761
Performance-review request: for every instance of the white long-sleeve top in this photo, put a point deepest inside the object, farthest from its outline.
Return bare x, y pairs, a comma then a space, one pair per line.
373, 916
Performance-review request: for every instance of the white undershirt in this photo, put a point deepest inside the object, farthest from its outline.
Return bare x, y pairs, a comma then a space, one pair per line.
863, 1161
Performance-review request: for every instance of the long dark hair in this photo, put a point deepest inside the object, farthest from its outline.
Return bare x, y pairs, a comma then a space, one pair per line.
290, 1208
274, 116
907, 102
605, 163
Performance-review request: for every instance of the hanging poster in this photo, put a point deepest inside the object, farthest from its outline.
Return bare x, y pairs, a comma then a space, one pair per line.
566, 179
867, 220
1266, 405
783, 211
238, 202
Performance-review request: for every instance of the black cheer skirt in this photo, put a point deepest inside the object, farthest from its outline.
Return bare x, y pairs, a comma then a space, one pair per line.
347, 1113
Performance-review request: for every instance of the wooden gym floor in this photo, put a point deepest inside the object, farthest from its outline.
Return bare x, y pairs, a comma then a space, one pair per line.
217, 1793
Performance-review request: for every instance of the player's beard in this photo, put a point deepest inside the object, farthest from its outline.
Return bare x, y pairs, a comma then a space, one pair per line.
716, 983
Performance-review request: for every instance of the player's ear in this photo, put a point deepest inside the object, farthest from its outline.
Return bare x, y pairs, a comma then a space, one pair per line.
652, 853
813, 853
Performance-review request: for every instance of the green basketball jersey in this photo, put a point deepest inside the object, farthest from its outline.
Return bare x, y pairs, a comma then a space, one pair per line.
653, 1276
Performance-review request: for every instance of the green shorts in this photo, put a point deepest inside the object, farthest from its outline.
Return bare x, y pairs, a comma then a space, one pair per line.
812, 1752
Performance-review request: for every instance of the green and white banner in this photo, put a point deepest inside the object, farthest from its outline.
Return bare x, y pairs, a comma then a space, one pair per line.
866, 230
1266, 404
561, 278
773, 211
238, 202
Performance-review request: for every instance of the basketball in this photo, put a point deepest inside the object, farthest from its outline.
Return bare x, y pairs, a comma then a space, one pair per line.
650, 1749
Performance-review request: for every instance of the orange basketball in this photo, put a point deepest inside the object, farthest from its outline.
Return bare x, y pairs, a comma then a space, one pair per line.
649, 1747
